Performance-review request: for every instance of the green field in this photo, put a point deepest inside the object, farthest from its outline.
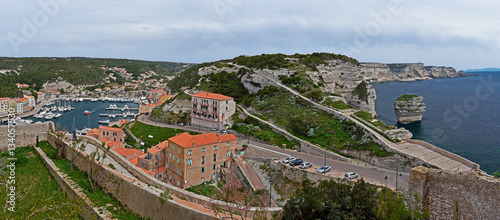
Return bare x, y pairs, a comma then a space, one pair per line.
159, 134
39, 195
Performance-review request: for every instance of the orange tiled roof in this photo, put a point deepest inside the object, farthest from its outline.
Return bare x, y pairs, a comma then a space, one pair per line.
134, 161
23, 99
211, 96
92, 132
187, 140
155, 149
127, 152
104, 140
1, 99
111, 129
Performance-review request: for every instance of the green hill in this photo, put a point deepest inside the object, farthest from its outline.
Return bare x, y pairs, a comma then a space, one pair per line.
76, 70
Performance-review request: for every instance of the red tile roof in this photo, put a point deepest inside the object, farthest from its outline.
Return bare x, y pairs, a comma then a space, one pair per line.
127, 152
1, 99
111, 129
211, 96
155, 149
187, 140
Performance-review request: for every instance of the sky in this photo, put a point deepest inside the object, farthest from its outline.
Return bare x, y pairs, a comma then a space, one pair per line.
462, 33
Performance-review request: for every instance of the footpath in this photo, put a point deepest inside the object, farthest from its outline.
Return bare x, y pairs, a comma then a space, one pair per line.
418, 149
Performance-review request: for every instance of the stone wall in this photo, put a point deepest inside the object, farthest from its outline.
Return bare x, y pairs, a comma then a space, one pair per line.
445, 153
260, 152
24, 134
175, 191
455, 195
135, 195
88, 211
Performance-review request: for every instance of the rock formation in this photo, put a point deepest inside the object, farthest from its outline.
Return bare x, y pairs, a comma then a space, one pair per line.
379, 72
409, 108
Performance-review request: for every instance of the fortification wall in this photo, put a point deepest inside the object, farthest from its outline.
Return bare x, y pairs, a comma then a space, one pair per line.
256, 151
455, 195
135, 195
24, 134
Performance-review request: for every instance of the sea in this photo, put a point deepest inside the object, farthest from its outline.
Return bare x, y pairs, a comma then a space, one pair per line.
462, 114
80, 120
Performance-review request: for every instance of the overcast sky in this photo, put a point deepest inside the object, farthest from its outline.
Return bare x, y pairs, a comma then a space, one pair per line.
462, 34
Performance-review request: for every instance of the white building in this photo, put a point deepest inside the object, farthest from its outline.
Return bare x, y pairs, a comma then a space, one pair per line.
211, 110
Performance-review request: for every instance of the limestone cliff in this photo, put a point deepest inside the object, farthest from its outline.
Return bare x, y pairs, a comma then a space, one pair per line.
379, 72
409, 108
335, 76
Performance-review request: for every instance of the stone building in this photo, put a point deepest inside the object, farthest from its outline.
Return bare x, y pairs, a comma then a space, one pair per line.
194, 159
211, 110
153, 162
114, 134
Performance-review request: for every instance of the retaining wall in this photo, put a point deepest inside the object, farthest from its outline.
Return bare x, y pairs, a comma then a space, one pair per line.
25, 135
455, 195
445, 153
135, 195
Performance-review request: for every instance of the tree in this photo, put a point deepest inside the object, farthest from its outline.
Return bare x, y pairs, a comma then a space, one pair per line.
235, 198
496, 174
78, 144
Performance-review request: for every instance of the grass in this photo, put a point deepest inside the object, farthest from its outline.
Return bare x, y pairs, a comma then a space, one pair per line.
204, 189
406, 97
160, 134
36, 189
100, 198
319, 127
368, 118
336, 104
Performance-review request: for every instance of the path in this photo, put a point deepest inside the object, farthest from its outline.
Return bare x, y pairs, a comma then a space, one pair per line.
254, 180
414, 150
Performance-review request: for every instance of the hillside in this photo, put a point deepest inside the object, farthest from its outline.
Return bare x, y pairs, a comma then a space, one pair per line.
75, 70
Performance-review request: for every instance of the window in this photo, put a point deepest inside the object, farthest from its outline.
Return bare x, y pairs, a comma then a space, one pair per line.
114, 133
170, 155
190, 161
203, 160
179, 171
214, 167
178, 160
215, 157
202, 180
228, 144
203, 169
170, 165
215, 148
170, 176
178, 183
228, 153
179, 150
203, 150
190, 152
174, 147
173, 157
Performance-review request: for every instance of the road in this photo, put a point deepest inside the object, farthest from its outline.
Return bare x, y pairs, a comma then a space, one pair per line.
374, 174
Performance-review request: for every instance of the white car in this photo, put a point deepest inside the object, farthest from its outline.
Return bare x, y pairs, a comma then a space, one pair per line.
288, 159
305, 165
351, 175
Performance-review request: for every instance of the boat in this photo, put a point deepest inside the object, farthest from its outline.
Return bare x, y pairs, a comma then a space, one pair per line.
104, 122
57, 115
86, 112
112, 115
80, 100
49, 116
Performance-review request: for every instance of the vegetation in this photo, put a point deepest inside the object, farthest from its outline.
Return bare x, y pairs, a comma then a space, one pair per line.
38, 195
346, 200
361, 91
496, 174
336, 104
311, 124
97, 195
204, 189
225, 83
251, 126
368, 118
406, 97
159, 134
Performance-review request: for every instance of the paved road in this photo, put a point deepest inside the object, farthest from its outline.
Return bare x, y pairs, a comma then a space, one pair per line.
374, 174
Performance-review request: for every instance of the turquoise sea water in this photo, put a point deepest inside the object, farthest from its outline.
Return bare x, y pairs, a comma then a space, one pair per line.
462, 114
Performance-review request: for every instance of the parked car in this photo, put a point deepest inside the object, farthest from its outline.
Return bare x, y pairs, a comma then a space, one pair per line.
223, 130
351, 175
324, 169
213, 129
296, 162
180, 124
288, 159
305, 165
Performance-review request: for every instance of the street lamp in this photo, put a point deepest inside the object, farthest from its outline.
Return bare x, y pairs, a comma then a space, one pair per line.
270, 188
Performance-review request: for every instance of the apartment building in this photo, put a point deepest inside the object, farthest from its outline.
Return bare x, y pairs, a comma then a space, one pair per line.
4, 106
194, 159
211, 110
114, 134
153, 162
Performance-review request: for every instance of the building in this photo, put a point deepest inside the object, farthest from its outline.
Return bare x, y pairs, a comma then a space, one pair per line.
211, 110
50, 94
194, 159
147, 108
112, 134
40, 97
128, 153
21, 105
154, 161
31, 101
4, 106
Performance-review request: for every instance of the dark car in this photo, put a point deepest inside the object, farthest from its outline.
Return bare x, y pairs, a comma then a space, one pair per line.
296, 162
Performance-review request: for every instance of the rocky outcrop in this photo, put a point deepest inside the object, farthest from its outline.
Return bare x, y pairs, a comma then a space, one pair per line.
398, 133
57, 85
409, 108
379, 72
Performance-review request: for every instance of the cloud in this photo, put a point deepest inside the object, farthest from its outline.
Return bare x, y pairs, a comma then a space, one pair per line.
198, 31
